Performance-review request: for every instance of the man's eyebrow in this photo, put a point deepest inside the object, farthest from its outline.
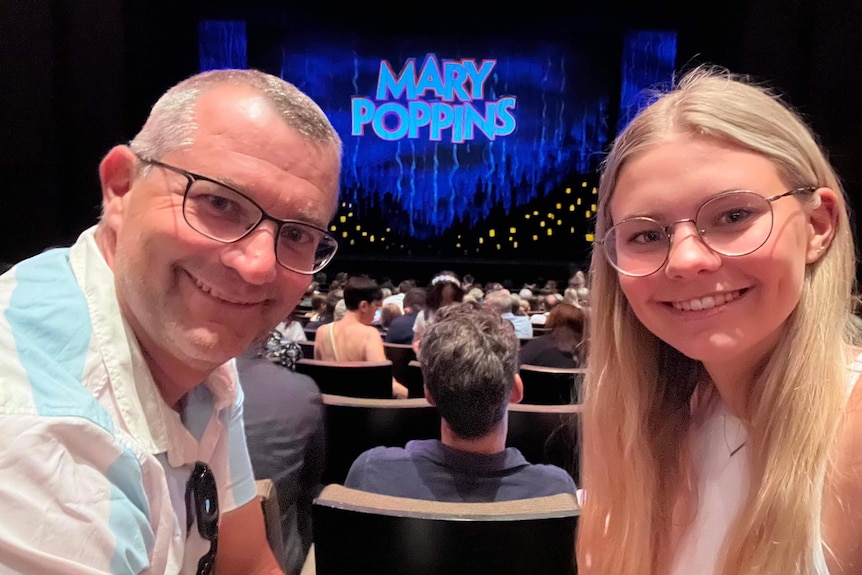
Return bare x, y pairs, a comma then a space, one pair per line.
301, 214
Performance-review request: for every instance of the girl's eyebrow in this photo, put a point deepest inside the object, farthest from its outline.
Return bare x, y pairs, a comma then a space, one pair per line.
658, 216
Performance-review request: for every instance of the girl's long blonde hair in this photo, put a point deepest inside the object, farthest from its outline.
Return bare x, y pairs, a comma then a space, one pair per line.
639, 391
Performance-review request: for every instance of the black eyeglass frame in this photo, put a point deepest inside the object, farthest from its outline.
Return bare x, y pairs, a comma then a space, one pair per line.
192, 178
201, 487
668, 233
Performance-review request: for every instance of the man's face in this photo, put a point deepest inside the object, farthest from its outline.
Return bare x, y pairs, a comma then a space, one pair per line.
194, 300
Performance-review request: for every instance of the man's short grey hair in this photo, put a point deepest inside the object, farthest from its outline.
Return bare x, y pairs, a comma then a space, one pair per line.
171, 124
469, 358
499, 300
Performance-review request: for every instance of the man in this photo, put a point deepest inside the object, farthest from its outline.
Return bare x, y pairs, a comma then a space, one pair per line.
283, 417
398, 298
124, 447
500, 301
353, 338
469, 359
550, 302
401, 329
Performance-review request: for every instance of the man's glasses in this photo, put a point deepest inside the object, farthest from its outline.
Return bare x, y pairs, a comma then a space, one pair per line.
224, 214
731, 224
202, 500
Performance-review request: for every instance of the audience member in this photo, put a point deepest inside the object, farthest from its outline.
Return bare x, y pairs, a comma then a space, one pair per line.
469, 362
578, 282
305, 302
476, 295
501, 302
353, 338
561, 346
722, 411
388, 314
445, 289
322, 281
549, 302
327, 314
318, 306
398, 298
291, 330
284, 431
124, 449
401, 328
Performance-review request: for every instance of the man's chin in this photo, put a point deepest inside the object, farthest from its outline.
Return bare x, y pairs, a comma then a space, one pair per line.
214, 346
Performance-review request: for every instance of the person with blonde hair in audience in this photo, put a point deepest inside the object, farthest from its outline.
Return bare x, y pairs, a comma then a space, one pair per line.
388, 314
722, 413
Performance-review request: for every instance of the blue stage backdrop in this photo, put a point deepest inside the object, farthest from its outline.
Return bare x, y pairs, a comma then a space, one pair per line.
488, 147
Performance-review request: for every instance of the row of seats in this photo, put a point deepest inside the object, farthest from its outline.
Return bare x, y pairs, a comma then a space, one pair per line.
542, 433
358, 532
542, 385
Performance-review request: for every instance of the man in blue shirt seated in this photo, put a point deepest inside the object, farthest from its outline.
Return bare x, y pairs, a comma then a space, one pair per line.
469, 360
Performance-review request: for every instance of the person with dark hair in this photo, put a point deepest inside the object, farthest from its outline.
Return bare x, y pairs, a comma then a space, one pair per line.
318, 306
286, 442
326, 313
561, 346
469, 358
121, 415
445, 289
401, 329
353, 337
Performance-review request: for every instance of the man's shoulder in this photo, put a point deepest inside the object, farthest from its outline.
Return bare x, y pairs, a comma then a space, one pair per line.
414, 450
548, 479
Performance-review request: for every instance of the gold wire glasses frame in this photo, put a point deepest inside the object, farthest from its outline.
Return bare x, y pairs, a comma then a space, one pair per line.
732, 224
222, 213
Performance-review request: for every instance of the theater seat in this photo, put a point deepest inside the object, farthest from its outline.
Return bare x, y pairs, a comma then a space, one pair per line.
359, 532
400, 354
356, 379
272, 517
354, 425
550, 385
547, 434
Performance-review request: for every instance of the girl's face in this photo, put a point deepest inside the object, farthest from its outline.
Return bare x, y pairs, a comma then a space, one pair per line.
723, 311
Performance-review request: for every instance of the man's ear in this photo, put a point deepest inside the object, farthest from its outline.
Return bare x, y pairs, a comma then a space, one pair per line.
116, 173
517, 393
822, 223
428, 397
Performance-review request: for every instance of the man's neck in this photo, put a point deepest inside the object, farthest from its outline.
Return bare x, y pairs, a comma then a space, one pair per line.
489, 444
353, 316
173, 386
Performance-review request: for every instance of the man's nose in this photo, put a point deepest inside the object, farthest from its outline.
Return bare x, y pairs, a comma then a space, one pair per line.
254, 255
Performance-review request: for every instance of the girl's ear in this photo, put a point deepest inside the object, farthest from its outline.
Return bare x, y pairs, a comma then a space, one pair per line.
822, 223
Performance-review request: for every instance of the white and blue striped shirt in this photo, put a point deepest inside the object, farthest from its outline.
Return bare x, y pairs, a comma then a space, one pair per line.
93, 462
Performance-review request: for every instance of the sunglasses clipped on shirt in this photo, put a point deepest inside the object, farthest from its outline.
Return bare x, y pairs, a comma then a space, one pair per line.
202, 500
